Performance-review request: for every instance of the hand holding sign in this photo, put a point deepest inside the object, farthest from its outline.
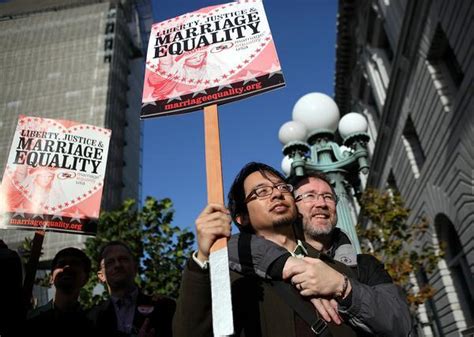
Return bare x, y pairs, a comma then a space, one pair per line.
212, 56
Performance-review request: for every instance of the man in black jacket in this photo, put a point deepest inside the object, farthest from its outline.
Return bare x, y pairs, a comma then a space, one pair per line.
373, 305
260, 202
128, 311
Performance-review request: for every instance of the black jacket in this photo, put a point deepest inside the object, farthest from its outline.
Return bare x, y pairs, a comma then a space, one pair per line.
375, 307
50, 321
105, 320
258, 310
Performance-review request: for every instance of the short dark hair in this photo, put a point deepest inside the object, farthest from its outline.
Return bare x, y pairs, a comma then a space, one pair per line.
110, 244
74, 252
236, 197
296, 181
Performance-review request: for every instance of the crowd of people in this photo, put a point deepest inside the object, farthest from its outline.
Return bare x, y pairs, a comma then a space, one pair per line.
293, 274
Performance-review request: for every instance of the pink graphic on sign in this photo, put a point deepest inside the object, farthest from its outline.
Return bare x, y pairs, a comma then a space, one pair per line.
214, 55
54, 176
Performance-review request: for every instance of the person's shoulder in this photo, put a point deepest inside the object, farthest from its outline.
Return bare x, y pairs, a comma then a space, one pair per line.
242, 284
155, 300
367, 259
371, 270
99, 308
39, 320
40, 311
8, 254
104, 304
369, 263
163, 299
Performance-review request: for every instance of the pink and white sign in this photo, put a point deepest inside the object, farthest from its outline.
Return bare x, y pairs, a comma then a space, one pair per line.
217, 54
54, 176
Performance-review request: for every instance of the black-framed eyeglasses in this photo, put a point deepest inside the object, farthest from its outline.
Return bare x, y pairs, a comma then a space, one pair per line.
311, 197
265, 191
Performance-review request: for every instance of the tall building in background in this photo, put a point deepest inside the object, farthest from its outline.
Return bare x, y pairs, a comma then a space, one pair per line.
78, 60
408, 66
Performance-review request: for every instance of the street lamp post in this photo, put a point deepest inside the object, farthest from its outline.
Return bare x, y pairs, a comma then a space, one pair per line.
309, 145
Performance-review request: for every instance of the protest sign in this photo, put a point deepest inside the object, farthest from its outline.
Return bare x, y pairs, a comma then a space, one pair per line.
54, 176
214, 55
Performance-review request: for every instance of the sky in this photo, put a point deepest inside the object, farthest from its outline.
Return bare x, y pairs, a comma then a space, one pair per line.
304, 32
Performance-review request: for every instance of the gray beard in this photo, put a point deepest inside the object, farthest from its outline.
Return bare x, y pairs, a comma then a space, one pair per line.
317, 232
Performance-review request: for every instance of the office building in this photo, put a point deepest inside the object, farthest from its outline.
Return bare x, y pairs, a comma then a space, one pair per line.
81, 61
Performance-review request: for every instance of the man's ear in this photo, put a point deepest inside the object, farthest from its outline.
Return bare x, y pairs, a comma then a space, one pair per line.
101, 276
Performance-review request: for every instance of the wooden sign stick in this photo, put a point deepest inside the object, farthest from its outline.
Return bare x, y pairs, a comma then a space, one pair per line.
220, 279
31, 267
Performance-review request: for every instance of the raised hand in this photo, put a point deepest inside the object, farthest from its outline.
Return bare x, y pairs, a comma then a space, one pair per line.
213, 223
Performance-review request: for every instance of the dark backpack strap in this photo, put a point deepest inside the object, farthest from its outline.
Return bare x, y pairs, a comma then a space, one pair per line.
303, 308
308, 313
306, 310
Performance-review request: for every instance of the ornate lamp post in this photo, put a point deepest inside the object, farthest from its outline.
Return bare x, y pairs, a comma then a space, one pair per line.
310, 145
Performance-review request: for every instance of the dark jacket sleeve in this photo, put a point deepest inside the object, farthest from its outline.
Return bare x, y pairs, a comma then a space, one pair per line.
377, 305
250, 254
193, 316
12, 311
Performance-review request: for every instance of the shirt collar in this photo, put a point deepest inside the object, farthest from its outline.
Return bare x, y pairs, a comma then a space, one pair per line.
128, 299
300, 250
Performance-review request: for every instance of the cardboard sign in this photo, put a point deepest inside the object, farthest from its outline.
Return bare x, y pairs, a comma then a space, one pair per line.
54, 176
214, 55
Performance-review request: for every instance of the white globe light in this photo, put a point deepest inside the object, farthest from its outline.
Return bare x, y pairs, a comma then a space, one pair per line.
352, 122
286, 165
292, 131
316, 111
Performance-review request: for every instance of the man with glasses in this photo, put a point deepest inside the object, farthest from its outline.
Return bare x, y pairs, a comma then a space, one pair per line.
260, 202
373, 305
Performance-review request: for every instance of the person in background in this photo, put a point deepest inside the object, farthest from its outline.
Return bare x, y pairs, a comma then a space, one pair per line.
63, 315
12, 311
128, 312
